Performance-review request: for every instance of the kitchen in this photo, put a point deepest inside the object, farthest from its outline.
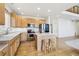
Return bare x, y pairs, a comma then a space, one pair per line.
36, 30
15, 29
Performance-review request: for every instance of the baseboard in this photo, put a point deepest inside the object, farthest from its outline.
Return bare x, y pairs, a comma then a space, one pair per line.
66, 37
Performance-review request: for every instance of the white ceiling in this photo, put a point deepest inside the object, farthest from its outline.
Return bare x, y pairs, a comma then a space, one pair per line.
30, 9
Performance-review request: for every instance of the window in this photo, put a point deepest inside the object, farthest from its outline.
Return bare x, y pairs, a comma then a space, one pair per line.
7, 19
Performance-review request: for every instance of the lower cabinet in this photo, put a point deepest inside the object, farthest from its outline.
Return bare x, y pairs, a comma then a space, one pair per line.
4, 52
11, 48
1, 54
13, 45
24, 36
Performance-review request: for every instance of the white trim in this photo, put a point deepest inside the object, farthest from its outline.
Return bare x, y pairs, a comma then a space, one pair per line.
32, 17
70, 13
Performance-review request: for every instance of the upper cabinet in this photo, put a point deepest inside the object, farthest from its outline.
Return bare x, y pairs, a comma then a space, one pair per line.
19, 21
16, 20
2, 13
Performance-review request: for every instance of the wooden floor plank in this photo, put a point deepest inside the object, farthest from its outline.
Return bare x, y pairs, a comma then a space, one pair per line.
27, 48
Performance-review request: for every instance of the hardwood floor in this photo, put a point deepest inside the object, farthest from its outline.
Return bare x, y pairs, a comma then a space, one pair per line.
27, 48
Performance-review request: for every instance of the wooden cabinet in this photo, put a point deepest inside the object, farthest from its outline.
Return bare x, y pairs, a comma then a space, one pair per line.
2, 14
4, 52
19, 21
17, 42
24, 23
1, 54
12, 49
16, 20
24, 36
13, 45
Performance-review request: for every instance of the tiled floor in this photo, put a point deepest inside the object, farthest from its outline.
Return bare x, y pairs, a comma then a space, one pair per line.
27, 48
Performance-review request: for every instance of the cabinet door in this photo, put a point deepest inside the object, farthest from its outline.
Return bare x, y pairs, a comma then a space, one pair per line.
19, 21
13, 23
16, 20
17, 43
24, 36
24, 23
1, 54
13, 45
2, 14
5, 51
12, 49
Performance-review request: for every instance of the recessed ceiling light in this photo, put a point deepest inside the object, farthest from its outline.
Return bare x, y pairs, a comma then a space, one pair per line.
18, 8
49, 10
38, 8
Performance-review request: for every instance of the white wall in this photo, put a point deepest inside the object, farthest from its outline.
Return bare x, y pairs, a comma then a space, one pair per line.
66, 28
77, 28
63, 27
54, 22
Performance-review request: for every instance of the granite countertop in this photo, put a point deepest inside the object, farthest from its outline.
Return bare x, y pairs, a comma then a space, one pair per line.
9, 36
5, 38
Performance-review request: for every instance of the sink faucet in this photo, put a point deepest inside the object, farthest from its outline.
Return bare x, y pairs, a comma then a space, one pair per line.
8, 29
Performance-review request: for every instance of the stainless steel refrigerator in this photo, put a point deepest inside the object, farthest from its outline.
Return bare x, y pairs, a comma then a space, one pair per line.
44, 28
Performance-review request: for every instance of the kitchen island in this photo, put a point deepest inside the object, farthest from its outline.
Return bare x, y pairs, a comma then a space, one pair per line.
41, 39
